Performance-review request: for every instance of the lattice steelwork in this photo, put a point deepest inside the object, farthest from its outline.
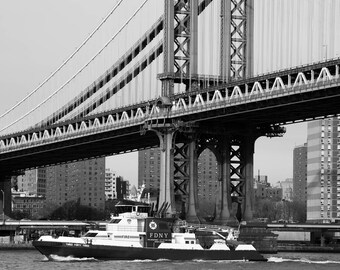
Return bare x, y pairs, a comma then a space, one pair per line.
181, 175
180, 43
314, 82
241, 38
182, 37
237, 178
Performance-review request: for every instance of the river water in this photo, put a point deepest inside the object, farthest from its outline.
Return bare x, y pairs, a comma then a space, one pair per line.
33, 260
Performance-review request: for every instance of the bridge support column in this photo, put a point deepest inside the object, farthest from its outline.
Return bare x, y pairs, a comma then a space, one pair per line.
192, 212
5, 197
166, 191
248, 177
224, 203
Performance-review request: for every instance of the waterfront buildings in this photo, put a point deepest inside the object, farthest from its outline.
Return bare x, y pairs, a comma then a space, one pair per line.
27, 204
287, 189
208, 184
274, 193
123, 188
83, 181
110, 184
263, 179
29, 193
33, 182
115, 186
300, 174
323, 167
260, 190
260, 186
149, 170
263, 189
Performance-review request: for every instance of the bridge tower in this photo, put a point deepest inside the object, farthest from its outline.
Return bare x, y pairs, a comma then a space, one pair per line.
178, 158
180, 143
237, 38
236, 165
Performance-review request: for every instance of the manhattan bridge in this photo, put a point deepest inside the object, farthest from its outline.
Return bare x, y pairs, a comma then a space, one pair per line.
184, 76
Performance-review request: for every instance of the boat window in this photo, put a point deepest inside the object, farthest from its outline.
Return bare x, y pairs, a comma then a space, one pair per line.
90, 234
132, 208
123, 208
143, 209
115, 220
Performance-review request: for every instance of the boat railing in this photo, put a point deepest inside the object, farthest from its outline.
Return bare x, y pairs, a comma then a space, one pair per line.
124, 228
209, 226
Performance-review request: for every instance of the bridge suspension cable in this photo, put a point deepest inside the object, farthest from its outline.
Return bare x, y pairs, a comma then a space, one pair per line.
65, 62
78, 72
109, 74
128, 79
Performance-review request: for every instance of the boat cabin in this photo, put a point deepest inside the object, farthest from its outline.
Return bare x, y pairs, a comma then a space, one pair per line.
130, 218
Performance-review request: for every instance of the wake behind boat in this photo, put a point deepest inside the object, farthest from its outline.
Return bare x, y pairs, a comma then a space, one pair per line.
133, 235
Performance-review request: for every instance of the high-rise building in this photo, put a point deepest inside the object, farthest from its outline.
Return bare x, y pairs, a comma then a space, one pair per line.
110, 184
300, 174
208, 184
323, 167
287, 189
149, 170
33, 182
122, 188
115, 186
82, 180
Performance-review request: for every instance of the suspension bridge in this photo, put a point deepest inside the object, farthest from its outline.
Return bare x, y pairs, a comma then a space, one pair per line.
182, 75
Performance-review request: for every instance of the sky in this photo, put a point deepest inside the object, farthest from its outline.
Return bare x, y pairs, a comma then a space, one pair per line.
38, 35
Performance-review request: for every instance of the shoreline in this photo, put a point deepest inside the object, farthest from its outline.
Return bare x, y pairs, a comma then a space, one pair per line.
307, 248
16, 246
